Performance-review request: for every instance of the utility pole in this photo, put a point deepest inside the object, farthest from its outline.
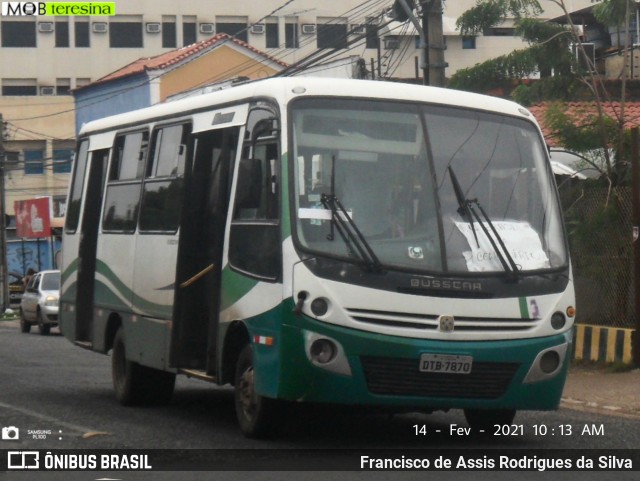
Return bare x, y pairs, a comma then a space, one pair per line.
432, 25
431, 46
4, 281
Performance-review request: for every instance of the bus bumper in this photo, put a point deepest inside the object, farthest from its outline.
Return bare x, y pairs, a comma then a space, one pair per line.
382, 370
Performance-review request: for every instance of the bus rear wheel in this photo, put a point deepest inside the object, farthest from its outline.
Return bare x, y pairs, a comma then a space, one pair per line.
486, 419
137, 385
258, 416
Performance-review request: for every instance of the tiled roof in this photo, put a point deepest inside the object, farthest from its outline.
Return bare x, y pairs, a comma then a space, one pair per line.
175, 57
581, 110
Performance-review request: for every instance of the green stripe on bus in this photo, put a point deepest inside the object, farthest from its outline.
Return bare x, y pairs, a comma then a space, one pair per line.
234, 287
524, 308
286, 216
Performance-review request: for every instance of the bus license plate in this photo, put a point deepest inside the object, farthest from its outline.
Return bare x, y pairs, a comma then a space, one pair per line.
446, 363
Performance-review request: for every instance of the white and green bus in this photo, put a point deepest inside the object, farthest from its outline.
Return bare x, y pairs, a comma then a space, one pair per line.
328, 241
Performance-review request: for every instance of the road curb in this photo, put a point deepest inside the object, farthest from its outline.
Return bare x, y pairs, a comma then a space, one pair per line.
595, 408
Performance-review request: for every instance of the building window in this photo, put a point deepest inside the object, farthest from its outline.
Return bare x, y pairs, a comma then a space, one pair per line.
62, 34
468, 43
500, 32
18, 34
332, 35
33, 162
188, 33
237, 30
62, 161
125, 35
17, 87
272, 40
372, 39
169, 34
82, 34
18, 90
291, 35
63, 86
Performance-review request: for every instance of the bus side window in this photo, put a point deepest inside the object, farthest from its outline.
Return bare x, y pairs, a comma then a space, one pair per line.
75, 198
255, 230
162, 191
122, 199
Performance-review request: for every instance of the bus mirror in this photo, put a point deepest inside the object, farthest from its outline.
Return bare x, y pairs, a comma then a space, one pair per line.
249, 188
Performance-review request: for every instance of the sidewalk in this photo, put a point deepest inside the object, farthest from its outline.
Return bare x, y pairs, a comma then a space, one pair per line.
599, 389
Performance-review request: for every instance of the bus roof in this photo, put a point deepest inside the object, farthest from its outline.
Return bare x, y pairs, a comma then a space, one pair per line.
284, 89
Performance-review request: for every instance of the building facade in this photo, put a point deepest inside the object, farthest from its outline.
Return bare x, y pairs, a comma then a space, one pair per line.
45, 58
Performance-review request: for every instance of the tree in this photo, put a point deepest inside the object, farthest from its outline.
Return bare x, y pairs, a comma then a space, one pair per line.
551, 54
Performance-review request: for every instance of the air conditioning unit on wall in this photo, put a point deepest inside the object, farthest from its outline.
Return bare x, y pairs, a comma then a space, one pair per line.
258, 28
99, 27
358, 29
308, 28
45, 27
153, 27
47, 91
207, 28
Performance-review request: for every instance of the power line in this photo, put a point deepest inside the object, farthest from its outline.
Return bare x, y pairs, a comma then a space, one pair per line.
367, 10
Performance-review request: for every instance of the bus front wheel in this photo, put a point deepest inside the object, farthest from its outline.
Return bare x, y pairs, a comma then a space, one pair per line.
137, 385
258, 416
485, 419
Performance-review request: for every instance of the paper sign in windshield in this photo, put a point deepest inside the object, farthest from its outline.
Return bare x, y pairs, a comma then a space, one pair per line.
318, 214
522, 241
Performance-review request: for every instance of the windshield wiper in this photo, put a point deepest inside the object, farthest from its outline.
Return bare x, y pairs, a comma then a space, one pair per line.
349, 232
466, 208
346, 227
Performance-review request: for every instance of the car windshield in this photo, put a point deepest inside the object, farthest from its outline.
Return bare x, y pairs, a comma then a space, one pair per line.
393, 167
50, 281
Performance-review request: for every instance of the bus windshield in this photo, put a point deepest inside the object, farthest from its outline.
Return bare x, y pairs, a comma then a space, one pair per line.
424, 188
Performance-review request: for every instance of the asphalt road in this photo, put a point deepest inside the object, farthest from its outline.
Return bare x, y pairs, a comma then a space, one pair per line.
61, 395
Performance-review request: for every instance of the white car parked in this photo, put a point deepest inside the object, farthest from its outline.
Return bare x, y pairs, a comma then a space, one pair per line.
39, 303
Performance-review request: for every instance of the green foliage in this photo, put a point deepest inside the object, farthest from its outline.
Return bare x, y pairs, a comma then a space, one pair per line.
610, 12
489, 13
582, 130
550, 88
495, 72
549, 52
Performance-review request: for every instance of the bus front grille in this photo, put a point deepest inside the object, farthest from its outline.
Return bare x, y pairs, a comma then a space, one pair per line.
401, 377
429, 322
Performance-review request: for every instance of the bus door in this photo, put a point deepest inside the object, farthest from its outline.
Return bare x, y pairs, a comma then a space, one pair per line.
201, 238
89, 227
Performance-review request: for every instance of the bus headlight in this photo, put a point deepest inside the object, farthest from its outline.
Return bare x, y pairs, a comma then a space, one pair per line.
323, 351
326, 353
558, 320
319, 307
547, 364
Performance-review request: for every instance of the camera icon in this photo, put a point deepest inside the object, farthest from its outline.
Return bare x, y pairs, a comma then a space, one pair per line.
10, 433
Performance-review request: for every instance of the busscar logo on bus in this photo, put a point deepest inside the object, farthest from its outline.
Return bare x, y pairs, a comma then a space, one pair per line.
449, 284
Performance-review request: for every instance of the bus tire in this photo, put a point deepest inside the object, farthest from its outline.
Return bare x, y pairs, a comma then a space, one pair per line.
486, 419
137, 385
258, 416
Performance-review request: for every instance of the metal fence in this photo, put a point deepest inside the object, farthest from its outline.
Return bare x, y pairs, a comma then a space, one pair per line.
599, 224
